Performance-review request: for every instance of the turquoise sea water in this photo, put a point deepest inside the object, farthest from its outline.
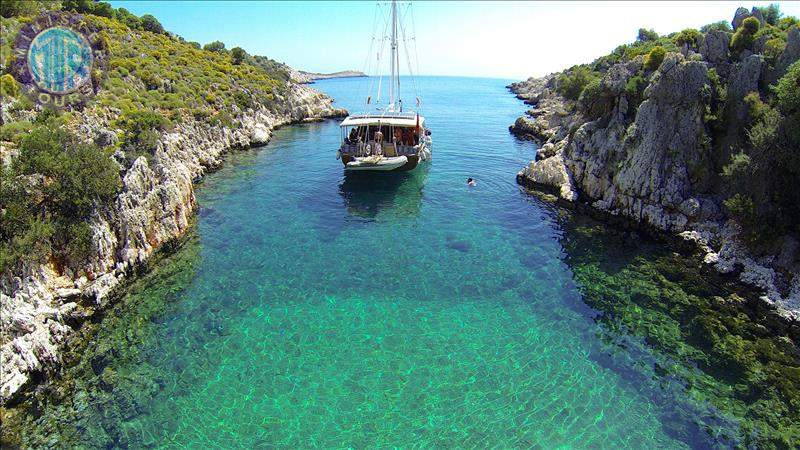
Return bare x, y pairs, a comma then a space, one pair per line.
313, 309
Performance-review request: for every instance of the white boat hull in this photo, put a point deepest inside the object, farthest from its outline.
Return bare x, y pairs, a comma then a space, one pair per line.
383, 165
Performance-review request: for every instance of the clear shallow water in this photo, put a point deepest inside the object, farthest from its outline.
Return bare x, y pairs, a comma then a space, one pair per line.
311, 309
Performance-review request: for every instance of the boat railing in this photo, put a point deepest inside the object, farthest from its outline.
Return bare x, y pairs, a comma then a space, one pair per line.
388, 149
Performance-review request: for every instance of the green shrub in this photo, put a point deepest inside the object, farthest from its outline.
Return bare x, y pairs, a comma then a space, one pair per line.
592, 99
141, 132
242, 100
634, 89
689, 37
771, 32
773, 48
53, 187
13, 8
8, 86
751, 25
151, 24
738, 167
646, 35
742, 208
744, 37
788, 22
14, 131
763, 134
770, 13
238, 55
787, 90
654, 59
129, 19
570, 83
755, 107
722, 25
216, 46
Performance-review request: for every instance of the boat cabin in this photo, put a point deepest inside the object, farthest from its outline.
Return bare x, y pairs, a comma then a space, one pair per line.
384, 135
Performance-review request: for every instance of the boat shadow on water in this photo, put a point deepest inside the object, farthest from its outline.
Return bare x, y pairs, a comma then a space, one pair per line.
368, 194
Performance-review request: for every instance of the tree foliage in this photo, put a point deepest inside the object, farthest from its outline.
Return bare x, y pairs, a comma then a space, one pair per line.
238, 54
151, 24
771, 13
722, 25
48, 196
744, 37
216, 46
646, 35
570, 84
654, 59
689, 37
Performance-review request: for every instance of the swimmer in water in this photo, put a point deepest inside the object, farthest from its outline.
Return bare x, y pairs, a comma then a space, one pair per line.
470, 182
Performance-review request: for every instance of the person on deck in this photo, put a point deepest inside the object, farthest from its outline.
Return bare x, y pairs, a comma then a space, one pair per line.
378, 143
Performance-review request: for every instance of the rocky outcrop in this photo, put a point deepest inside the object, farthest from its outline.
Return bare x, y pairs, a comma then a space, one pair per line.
39, 308
653, 163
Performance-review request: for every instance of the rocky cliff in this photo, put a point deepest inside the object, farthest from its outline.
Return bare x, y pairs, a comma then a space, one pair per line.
42, 305
649, 144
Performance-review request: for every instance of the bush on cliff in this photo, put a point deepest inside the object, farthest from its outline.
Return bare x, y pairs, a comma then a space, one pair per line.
141, 132
773, 48
594, 101
744, 37
787, 90
654, 59
764, 197
646, 35
48, 196
570, 84
788, 22
689, 37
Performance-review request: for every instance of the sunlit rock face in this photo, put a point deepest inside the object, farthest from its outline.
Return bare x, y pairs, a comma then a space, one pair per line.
648, 157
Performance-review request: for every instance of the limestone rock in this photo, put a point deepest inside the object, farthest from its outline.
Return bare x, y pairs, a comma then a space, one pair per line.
738, 18
551, 173
715, 47
259, 135
790, 54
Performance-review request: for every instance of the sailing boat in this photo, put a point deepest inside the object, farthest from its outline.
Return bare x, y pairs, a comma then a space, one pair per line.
387, 139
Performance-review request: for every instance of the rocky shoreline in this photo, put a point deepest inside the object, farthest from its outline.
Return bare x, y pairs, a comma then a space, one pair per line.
640, 166
42, 309
300, 76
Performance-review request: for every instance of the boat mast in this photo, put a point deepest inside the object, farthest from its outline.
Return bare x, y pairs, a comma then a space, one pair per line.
394, 78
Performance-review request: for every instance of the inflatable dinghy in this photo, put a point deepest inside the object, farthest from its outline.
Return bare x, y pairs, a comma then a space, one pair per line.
381, 163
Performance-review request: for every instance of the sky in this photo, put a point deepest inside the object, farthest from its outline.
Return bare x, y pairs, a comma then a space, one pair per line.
511, 40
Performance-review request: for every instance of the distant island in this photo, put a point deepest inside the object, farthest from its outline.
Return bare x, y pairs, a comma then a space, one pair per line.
300, 76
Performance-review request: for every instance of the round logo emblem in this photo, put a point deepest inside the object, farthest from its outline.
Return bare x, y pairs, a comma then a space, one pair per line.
60, 60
